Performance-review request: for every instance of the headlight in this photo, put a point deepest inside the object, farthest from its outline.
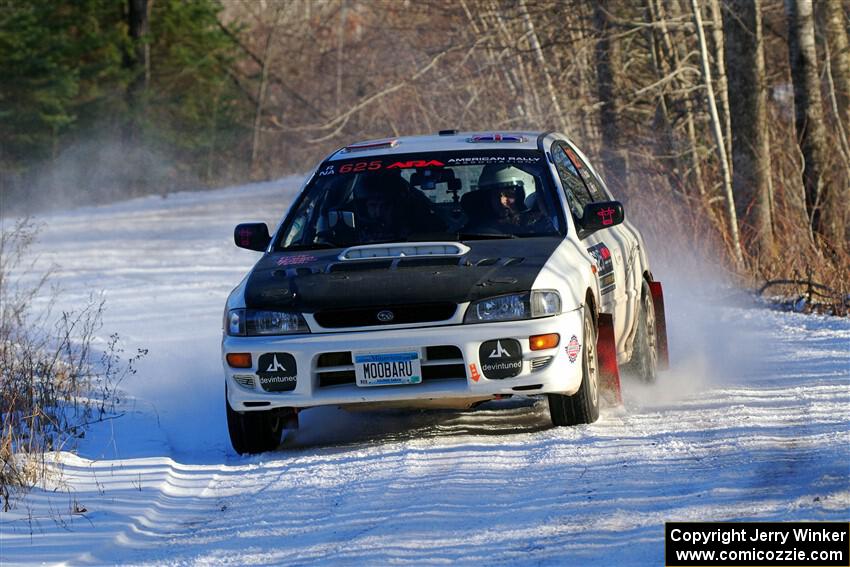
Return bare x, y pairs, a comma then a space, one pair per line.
528, 305
251, 322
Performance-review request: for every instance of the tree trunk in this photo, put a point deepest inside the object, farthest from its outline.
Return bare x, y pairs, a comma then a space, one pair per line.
676, 53
261, 93
748, 109
718, 138
722, 82
137, 61
138, 16
608, 88
340, 54
838, 80
811, 132
839, 49
560, 119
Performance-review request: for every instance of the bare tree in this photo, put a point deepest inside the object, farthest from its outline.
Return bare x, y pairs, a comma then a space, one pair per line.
718, 137
676, 52
748, 109
837, 72
719, 41
839, 47
560, 119
266, 59
608, 86
811, 132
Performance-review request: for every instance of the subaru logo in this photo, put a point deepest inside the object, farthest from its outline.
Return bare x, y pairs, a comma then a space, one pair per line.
385, 316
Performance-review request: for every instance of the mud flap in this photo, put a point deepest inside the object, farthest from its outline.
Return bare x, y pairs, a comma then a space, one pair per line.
660, 325
606, 349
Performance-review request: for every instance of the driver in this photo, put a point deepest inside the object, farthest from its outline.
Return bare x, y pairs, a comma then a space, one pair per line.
505, 186
378, 204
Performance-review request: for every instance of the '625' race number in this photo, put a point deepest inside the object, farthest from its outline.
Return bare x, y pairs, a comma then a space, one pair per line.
359, 166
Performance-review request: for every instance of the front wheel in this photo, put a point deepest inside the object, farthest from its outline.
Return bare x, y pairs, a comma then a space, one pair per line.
583, 406
253, 431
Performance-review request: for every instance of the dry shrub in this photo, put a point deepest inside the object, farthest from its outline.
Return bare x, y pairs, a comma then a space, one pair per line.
54, 385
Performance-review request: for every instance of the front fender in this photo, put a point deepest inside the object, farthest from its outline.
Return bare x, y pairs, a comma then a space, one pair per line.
570, 271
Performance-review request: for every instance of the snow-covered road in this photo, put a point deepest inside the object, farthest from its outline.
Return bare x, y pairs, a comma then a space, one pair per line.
751, 423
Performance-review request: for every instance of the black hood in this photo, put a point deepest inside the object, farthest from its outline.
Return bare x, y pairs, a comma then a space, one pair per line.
316, 280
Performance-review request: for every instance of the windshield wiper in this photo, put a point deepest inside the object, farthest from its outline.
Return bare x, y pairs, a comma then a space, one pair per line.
313, 246
483, 235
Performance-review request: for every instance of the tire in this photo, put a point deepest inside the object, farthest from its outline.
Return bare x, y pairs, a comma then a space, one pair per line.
253, 431
644, 362
583, 406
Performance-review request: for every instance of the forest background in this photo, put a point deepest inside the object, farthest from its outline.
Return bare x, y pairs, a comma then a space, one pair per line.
723, 125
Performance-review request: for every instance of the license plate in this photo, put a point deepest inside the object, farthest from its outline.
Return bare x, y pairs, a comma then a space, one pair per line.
387, 368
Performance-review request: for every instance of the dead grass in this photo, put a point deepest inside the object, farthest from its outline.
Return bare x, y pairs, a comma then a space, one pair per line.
54, 385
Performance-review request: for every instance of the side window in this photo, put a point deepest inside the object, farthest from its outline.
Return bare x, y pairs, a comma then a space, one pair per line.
576, 192
590, 180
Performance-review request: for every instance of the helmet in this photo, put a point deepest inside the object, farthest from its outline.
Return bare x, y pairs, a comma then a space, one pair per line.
382, 185
377, 196
501, 176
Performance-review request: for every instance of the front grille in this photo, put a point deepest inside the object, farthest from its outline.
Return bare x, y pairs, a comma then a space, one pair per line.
402, 314
443, 362
443, 353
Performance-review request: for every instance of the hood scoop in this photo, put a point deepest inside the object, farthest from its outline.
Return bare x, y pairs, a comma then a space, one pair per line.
403, 250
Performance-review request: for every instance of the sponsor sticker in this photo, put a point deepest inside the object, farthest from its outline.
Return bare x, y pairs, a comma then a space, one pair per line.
605, 266
500, 359
415, 163
607, 216
466, 160
295, 260
245, 237
277, 372
573, 349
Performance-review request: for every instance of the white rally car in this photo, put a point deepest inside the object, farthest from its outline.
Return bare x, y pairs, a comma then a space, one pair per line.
441, 270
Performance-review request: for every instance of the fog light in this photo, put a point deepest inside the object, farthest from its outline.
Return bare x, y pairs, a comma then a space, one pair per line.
542, 342
239, 359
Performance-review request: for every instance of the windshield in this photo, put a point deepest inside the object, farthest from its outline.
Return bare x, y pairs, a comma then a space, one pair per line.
436, 196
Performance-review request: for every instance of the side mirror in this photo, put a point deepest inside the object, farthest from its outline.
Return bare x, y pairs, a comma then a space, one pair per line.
603, 214
252, 235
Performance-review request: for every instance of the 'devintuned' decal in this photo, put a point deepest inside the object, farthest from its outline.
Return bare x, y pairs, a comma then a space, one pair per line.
500, 359
605, 266
277, 372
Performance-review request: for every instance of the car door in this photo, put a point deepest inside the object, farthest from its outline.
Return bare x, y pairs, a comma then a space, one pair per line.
614, 249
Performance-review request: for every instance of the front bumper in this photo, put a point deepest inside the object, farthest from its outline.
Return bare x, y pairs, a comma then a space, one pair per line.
451, 367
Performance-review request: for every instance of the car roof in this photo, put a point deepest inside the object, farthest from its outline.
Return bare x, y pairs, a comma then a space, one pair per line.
445, 141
